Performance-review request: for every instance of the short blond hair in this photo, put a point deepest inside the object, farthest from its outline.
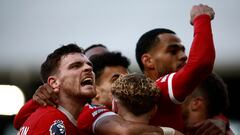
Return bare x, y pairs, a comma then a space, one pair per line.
136, 92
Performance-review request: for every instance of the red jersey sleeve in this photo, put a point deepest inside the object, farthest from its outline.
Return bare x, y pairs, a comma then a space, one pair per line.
30, 107
200, 63
89, 117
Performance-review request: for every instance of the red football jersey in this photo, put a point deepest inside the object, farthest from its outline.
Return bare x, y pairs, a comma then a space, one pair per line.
90, 116
49, 121
175, 87
23, 114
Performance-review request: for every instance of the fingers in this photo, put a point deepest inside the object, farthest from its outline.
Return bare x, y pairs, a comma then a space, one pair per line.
53, 98
208, 10
49, 102
45, 95
39, 100
51, 93
39, 96
200, 10
43, 102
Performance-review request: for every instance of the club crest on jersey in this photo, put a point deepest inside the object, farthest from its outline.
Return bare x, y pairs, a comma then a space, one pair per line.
57, 128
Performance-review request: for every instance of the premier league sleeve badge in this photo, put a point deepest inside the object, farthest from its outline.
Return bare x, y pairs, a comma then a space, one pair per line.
57, 128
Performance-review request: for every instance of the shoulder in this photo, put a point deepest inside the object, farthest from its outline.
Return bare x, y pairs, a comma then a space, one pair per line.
50, 116
49, 113
91, 111
45, 120
165, 82
91, 114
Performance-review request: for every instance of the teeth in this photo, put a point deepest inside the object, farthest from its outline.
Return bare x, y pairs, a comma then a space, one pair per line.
87, 79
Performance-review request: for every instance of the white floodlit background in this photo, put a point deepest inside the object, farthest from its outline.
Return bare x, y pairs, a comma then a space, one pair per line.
11, 99
29, 30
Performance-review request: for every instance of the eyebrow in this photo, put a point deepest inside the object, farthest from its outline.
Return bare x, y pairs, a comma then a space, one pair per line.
90, 63
176, 46
75, 63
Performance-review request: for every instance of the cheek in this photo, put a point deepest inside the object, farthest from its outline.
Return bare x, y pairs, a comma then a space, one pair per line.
72, 81
162, 60
185, 113
170, 62
108, 94
164, 64
108, 89
104, 89
185, 109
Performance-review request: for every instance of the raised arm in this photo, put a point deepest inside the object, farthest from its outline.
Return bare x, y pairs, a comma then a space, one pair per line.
201, 57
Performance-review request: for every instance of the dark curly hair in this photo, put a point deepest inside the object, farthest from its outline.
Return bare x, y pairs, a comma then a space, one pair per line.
101, 61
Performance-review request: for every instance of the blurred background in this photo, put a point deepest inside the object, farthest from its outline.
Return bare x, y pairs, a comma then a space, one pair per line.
30, 30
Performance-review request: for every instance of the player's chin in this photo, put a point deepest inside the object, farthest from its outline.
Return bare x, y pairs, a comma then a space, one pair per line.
180, 66
88, 93
177, 68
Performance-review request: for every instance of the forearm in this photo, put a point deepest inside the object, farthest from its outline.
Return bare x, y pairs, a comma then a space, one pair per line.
200, 62
202, 53
117, 126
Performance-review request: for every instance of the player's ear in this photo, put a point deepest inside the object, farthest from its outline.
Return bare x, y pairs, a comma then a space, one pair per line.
196, 103
147, 60
154, 110
114, 105
54, 82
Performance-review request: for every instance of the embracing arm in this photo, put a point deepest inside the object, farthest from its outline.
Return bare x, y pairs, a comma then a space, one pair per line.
24, 113
44, 95
96, 119
114, 124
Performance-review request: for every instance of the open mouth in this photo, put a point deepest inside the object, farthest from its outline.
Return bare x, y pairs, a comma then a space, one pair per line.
87, 81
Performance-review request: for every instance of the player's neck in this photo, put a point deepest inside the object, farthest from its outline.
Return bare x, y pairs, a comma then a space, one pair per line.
151, 74
128, 116
136, 119
74, 106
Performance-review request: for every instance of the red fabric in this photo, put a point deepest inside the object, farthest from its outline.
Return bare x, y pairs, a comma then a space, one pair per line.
199, 66
85, 121
24, 113
41, 121
88, 116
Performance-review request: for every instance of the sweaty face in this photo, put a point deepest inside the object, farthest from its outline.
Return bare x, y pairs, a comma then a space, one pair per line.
109, 75
76, 76
168, 55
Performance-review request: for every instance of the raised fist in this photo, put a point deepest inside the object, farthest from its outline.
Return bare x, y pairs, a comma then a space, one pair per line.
200, 10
